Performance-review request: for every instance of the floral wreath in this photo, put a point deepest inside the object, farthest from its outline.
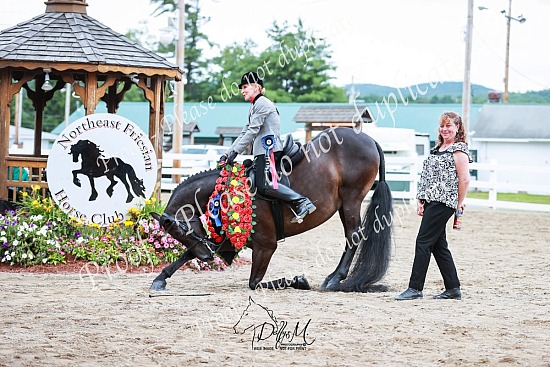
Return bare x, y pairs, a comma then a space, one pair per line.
233, 190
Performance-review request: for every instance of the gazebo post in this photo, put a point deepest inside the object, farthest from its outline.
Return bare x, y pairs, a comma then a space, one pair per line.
91, 91
5, 101
156, 132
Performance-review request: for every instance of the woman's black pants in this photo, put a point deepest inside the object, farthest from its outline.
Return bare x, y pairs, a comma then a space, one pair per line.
431, 239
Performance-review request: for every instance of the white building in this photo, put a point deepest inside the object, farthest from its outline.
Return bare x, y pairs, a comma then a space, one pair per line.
514, 135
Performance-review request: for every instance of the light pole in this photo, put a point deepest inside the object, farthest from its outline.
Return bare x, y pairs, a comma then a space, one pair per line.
466, 86
179, 85
509, 18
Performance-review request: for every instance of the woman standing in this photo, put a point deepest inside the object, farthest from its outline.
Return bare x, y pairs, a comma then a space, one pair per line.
263, 132
443, 187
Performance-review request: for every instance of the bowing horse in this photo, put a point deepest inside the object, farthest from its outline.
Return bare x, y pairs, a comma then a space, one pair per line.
338, 169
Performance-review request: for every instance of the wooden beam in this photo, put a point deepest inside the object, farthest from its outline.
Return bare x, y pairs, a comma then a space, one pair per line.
149, 94
78, 89
16, 87
5, 101
90, 102
156, 127
111, 79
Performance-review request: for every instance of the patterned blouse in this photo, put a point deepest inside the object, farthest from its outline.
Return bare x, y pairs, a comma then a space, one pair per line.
439, 179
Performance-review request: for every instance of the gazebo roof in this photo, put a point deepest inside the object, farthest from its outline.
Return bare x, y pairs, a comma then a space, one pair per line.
75, 38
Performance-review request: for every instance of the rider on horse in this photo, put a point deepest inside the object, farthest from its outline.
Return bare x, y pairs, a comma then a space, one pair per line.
263, 131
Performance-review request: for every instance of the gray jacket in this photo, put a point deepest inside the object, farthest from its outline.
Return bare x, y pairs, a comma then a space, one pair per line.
263, 119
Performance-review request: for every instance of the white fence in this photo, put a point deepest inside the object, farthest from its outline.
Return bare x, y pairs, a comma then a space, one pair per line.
190, 164
412, 166
404, 173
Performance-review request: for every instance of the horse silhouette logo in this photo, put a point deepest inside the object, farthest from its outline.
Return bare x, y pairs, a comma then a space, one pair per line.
265, 328
94, 165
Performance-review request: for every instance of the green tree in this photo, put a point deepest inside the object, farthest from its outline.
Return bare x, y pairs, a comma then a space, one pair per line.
295, 67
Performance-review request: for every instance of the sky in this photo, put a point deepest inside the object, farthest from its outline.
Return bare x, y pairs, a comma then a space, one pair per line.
395, 43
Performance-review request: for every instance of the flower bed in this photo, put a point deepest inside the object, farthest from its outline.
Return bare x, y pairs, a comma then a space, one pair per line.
40, 234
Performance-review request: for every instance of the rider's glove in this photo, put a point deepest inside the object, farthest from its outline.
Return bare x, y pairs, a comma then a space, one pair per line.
231, 157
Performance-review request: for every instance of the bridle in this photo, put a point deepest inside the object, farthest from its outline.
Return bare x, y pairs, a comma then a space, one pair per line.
211, 246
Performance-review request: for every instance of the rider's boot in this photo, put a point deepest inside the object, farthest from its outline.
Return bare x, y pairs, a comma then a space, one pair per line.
303, 205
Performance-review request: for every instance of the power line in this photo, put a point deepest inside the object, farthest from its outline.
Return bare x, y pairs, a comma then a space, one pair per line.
499, 57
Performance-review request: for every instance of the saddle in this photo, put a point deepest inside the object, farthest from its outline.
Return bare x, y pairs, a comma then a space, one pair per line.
291, 155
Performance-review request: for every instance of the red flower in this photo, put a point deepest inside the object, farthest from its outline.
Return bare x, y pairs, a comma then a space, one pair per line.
237, 237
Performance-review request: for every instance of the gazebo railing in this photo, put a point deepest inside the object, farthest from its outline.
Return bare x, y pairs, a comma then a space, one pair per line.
23, 172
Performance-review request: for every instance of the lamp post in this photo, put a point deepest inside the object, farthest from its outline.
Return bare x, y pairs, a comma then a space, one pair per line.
466, 86
179, 85
509, 18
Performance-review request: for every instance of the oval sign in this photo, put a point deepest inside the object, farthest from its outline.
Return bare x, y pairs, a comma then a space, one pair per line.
100, 166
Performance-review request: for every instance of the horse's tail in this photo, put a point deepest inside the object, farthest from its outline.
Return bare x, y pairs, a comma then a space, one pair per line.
374, 251
137, 184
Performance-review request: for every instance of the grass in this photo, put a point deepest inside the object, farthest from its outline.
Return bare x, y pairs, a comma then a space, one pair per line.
520, 198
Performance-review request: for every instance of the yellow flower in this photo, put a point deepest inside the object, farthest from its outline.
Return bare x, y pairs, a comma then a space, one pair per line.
234, 169
128, 223
153, 199
35, 203
95, 225
35, 187
235, 215
237, 229
147, 202
235, 199
25, 193
234, 182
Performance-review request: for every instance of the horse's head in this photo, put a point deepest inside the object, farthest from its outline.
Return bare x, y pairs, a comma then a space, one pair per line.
253, 315
86, 148
188, 232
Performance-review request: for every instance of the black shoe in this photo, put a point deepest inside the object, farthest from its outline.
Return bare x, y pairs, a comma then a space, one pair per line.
410, 293
304, 207
454, 293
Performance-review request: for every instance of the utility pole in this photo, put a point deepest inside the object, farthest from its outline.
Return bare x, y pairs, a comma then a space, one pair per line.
179, 87
508, 24
466, 86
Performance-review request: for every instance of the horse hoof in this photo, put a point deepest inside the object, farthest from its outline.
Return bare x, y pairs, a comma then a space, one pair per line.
158, 285
300, 282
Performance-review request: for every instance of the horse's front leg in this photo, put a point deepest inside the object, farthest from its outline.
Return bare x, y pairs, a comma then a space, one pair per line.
159, 283
93, 196
261, 257
76, 181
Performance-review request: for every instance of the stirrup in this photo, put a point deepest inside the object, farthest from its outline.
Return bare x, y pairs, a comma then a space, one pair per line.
300, 218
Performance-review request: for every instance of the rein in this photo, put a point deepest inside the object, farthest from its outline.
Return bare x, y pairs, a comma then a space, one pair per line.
212, 247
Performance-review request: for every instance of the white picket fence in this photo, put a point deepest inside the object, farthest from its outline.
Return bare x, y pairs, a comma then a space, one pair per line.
412, 167
405, 171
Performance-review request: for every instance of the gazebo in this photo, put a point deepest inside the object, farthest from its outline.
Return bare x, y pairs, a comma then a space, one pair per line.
65, 45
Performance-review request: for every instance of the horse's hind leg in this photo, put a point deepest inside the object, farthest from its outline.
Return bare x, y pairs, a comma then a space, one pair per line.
350, 218
111, 189
159, 283
124, 180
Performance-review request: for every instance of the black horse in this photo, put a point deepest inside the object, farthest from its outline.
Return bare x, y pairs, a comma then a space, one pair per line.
95, 165
339, 168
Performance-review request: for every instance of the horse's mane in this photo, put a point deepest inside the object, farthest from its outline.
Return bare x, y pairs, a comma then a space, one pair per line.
198, 176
